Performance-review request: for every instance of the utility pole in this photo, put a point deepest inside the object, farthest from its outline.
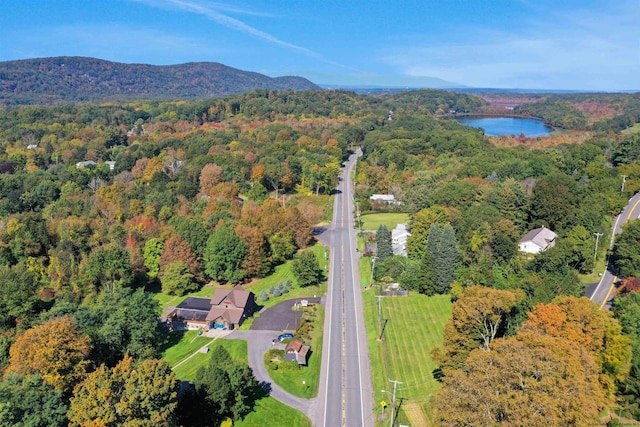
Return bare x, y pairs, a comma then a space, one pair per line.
595, 252
393, 400
379, 297
624, 179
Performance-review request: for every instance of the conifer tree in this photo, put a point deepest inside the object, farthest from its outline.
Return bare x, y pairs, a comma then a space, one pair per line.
383, 243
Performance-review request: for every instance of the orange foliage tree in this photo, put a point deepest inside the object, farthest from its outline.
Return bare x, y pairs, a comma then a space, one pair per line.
56, 350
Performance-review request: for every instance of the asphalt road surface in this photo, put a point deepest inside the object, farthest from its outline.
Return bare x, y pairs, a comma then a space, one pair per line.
602, 293
345, 393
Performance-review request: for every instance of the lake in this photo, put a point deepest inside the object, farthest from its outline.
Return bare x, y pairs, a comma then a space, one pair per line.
495, 126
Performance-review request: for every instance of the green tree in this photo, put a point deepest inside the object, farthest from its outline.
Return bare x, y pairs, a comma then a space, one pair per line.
446, 260
306, 269
177, 280
384, 248
152, 252
626, 257
130, 394
108, 266
420, 226
224, 255
30, 401
627, 310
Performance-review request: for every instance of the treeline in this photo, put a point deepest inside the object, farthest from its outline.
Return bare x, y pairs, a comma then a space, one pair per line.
598, 112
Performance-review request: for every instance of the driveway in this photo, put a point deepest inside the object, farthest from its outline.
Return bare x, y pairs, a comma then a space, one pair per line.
281, 317
272, 322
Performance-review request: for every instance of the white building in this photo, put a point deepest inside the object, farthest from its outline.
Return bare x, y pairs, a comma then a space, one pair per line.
537, 240
399, 236
383, 198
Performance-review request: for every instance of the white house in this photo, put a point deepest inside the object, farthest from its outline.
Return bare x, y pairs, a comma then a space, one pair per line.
399, 236
537, 240
383, 198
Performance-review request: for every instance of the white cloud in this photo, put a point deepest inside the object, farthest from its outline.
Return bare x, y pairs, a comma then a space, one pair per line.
582, 50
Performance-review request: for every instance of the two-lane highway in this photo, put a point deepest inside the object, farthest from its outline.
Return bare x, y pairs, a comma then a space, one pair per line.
603, 292
345, 396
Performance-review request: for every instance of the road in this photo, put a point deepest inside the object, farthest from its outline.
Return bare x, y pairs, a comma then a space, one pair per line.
602, 293
345, 392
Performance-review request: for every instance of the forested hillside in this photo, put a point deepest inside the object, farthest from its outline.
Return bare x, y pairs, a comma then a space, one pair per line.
74, 79
104, 205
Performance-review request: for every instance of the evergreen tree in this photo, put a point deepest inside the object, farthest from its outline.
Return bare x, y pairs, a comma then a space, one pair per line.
264, 296
384, 248
447, 258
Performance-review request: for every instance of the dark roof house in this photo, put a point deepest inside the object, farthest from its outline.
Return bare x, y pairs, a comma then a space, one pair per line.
227, 309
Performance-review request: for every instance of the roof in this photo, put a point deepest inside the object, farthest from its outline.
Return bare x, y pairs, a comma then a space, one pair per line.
231, 315
294, 345
385, 197
400, 230
195, 315
542, 237
238, 296
195, 303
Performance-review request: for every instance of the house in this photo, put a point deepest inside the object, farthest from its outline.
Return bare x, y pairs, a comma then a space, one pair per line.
537, 240
399, 236
86, 164
227, 309
297, 351
111, 164
388, 199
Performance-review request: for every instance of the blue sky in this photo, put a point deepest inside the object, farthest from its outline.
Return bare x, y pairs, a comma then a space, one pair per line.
535, 44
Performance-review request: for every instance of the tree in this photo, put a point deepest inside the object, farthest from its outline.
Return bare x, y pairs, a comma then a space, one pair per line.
384, 248
177, 249
177, 280
130, 394
152, 252
56, 350
210, 176
627, 310
306, 269
282, 247
108, 266
224, 388
478, 317
224, 255
256, 261
580, 321
527, 380
30, 401
626, 257
446, 260
420, 226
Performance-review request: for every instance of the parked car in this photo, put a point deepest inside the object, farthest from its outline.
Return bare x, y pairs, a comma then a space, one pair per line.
282, 337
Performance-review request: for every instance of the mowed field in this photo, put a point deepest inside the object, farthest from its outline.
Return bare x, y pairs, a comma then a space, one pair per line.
413, 328
390, 219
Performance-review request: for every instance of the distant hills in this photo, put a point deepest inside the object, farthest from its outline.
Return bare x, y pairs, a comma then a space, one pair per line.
75, 79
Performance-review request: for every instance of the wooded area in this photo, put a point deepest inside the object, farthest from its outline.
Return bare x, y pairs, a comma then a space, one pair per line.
103, 204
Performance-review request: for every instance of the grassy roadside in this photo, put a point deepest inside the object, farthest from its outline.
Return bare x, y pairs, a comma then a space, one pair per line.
390, 219
414, 326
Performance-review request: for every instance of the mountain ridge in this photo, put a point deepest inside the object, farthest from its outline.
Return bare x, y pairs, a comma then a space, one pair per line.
64, 79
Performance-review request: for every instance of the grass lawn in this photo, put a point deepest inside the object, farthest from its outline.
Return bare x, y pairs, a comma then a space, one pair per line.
291, 378
269, 412
282, 274
414, 327
183, 344
375, 220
